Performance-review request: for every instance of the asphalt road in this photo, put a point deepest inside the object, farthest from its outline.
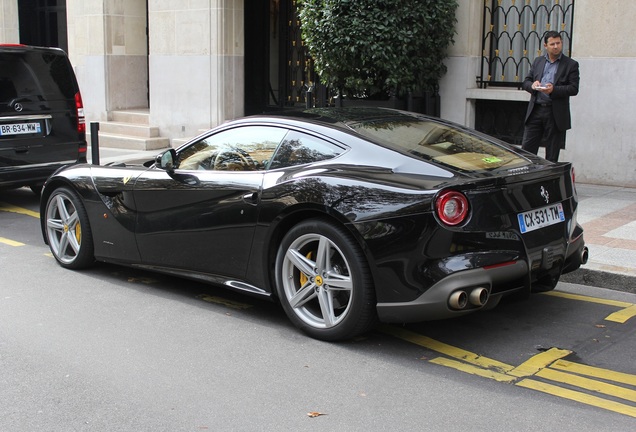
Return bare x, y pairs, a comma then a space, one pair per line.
117, 349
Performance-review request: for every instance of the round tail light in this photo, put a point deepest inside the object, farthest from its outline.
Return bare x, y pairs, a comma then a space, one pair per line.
452, 207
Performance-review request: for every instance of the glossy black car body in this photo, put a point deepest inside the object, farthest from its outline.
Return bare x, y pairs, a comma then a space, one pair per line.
41, 115
343, 215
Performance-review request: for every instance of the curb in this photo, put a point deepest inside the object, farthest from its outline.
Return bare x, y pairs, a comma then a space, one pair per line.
601, 279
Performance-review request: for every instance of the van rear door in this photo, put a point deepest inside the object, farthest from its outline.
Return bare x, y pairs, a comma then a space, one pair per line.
38, 113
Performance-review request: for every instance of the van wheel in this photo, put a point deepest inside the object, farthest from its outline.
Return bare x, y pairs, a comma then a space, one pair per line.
324, 283
68, 231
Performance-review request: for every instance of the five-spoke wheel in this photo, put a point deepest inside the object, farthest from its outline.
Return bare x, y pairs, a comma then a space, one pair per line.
323, 281
67, 229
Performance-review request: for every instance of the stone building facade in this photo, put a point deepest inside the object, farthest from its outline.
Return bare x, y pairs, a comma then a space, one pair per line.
191, 65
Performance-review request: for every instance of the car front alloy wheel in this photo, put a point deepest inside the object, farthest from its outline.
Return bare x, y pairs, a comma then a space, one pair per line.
68, 231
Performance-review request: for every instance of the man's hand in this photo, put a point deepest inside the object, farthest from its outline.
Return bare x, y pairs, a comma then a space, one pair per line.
547, 89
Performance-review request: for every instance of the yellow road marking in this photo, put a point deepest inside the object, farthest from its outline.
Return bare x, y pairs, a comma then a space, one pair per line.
224, 302
588, 384
446, 349
628, 311
14, 209
578, 396
595, 372
143, 280
537, 362
548, 365
589, 299
622, 315
473, 370
10, 242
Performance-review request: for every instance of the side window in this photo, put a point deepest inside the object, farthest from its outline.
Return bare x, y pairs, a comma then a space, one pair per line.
298, 148
244, 148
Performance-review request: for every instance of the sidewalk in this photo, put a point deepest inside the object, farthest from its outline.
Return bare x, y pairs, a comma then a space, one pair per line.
608, 217
607, 214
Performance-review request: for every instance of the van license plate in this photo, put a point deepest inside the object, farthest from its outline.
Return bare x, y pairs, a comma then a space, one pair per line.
20, 128
540, 218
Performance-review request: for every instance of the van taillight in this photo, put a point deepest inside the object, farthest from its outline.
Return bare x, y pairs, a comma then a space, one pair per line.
81, 120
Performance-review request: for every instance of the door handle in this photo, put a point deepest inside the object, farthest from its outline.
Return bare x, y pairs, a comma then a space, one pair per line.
251, 198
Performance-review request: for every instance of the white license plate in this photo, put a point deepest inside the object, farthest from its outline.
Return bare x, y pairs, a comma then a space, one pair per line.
20, 128
540, 218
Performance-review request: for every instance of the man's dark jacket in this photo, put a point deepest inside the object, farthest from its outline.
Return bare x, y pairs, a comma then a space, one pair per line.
566, 84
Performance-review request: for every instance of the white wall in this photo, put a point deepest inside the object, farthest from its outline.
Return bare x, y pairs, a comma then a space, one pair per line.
108, 48
196, 64
9, 32
602, 142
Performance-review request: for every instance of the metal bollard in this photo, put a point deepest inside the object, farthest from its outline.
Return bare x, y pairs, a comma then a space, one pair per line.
95, 143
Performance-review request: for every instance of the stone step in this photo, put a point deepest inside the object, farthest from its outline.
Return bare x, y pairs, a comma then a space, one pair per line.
176, 142
130, 142
132, 129
138, 116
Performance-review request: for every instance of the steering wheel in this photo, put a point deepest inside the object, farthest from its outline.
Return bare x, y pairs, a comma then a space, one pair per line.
229, 159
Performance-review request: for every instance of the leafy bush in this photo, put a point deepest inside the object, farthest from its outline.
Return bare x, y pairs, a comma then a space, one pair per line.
378, 46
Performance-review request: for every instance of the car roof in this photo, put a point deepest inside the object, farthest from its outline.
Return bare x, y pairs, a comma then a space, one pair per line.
347, 116
30, 48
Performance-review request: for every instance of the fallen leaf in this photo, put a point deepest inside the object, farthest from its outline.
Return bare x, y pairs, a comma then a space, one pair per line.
599, 326
315, 414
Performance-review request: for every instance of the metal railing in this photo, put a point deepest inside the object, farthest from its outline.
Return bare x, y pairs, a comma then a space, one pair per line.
513, 36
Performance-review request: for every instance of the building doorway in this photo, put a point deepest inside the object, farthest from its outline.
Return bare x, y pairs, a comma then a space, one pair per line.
43, 23
278, 70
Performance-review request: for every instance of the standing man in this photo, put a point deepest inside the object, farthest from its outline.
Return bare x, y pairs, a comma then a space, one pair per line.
552, 79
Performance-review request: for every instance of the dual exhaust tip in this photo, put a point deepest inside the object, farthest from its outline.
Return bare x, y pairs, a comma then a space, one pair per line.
461, 299
585, 255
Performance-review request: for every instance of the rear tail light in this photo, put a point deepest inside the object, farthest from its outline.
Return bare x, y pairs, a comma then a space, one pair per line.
573, 176
81, 120
452, 207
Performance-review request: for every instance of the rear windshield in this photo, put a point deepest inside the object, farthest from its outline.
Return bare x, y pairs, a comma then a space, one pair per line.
440, 143
28, 76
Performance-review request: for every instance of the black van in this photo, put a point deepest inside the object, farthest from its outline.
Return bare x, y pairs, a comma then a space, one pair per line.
42, 125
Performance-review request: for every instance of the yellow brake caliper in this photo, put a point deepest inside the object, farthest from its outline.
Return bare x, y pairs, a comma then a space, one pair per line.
78, 233
303, 277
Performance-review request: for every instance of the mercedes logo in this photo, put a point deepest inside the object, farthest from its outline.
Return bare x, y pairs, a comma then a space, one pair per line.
18, 107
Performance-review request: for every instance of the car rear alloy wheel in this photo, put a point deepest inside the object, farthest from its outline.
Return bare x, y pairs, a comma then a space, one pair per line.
323, 281
67, 230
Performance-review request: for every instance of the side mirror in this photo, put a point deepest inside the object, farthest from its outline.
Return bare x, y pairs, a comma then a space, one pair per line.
167, 160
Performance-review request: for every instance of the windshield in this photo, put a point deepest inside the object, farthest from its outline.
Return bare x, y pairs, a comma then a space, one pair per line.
35, 77
443, 144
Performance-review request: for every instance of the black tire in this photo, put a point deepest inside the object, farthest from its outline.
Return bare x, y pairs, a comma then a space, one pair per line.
68, 231
324, 283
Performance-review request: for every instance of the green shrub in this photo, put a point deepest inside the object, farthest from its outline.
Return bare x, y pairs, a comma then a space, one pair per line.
366, 47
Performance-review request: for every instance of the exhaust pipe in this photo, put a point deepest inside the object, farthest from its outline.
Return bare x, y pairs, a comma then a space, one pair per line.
458, 300
478, 296
585, 255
